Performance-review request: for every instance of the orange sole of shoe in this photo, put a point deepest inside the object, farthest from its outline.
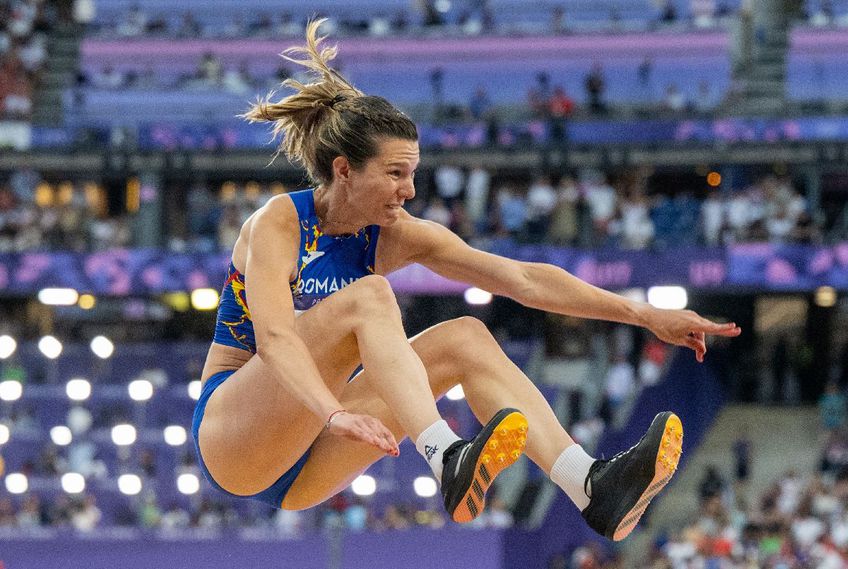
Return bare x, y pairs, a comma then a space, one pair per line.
504, 447
668, 456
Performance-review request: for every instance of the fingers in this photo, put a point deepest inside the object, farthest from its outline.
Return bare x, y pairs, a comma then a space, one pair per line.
696, 342
728, 329
380, 436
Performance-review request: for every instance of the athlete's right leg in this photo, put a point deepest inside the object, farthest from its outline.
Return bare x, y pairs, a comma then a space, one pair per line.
253, 430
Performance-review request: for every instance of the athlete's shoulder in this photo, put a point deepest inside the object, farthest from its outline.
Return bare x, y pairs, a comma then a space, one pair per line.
277, 217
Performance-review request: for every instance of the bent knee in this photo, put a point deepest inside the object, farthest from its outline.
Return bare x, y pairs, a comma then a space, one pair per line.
467, 339
373, 296
467, 331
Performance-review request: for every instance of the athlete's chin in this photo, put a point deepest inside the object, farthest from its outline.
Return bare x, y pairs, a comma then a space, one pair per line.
391, 216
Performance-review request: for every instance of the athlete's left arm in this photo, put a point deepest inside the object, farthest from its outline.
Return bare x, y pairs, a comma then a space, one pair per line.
550, 288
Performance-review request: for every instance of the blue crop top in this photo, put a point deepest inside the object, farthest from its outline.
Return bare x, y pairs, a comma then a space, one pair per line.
325, 264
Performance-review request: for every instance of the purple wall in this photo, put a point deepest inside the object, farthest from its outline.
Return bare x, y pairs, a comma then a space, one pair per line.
422, 549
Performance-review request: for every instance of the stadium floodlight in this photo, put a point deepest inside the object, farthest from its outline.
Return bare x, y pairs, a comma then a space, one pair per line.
87, 301
477, 296
670, 297
140, 390
50, 346
129, 484
188, 484
175, 435
825, 296
204, 299
123, 435
194, 389
364, 485
455, 393
8, 345
73, 482
58, 296
4, 434
102, 347
16, 483
61, 435
425, 486
11, 390
78, 389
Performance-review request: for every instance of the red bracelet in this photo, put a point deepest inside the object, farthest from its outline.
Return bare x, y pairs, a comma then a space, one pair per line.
332, 416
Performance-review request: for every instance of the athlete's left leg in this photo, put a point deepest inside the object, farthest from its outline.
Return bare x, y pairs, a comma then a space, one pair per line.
460, 351
463, 352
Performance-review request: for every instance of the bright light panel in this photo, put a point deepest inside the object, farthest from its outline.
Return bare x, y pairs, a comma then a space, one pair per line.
194, 389
425, 486
825, 296
78, 389
11, 390
175, 435
102, 347
123, 435
129, 484
73, 482
188, 484
204, 299
670, 297
58, 296
4, 434
364, 485
17, 483
455, 393
140, 390
61, 435
50, 347
476, 295
8, 345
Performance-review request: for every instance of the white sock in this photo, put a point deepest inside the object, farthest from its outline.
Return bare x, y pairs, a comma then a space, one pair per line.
433, 442
569, 473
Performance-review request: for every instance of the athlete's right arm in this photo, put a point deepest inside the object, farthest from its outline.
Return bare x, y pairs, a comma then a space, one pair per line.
272, 251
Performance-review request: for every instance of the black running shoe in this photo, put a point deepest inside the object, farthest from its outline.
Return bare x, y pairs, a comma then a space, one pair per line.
622, 487
470, 467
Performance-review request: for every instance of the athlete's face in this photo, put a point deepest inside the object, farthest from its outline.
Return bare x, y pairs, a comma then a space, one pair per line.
381, 186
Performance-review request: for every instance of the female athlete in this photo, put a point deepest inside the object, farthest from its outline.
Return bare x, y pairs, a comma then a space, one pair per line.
279, 418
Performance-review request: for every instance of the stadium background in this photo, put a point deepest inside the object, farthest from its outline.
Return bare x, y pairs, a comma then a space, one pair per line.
696, 145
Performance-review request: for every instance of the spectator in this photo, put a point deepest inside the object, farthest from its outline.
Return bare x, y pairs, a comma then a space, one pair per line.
833, 407
512, 208
541, 202
86, 516
437, 211
480, 105
539, 96
595, 89
449, 183
674, 100
602, 200
477, 197
561, 108
565, 219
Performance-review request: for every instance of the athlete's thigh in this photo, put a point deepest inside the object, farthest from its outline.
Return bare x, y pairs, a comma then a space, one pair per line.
254, 430
335, 461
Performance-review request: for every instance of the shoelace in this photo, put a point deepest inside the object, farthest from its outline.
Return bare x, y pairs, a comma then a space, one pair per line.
601, 463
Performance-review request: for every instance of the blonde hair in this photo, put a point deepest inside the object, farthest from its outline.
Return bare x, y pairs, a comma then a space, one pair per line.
330, 117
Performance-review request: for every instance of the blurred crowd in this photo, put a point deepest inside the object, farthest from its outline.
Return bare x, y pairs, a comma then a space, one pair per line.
461, 17
24, 29
590, 209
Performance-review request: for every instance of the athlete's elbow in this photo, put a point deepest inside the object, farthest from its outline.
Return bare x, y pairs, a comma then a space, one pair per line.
271, 342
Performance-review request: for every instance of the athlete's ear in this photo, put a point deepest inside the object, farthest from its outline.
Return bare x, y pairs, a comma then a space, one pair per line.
341, 169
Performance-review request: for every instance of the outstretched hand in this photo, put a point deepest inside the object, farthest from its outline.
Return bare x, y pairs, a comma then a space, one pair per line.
686, 328
366, 429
